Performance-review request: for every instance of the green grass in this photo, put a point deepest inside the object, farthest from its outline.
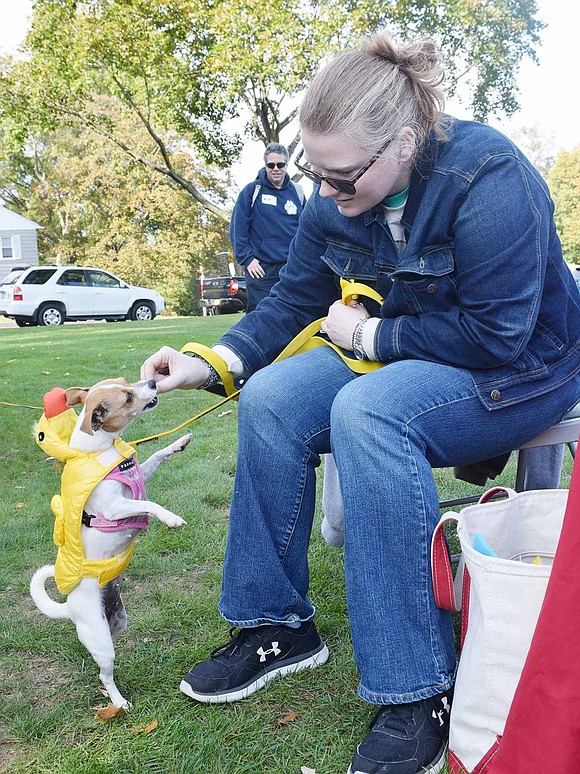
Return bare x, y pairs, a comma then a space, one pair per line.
49, 688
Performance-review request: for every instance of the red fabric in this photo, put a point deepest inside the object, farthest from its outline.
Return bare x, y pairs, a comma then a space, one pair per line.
54, 402
543, 726
454, 764
441, 568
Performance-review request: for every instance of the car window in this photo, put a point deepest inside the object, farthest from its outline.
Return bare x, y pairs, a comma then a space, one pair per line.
101, 279
73, 277
10, 279
38, 276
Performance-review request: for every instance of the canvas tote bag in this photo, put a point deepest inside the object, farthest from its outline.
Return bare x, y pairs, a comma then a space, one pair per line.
542, 732
501, 597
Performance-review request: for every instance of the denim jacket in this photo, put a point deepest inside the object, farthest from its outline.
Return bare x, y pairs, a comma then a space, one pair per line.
481, 284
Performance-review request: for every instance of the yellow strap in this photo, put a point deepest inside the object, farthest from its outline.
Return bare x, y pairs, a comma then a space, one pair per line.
351, 290
214, 360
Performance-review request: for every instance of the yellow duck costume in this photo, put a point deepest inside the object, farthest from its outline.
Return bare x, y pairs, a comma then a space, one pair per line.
82, 472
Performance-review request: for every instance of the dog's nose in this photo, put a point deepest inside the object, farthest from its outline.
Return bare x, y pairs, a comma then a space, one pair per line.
152, 384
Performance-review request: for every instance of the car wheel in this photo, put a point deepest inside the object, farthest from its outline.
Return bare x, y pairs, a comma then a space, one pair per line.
23, 322
142, 310
50, 314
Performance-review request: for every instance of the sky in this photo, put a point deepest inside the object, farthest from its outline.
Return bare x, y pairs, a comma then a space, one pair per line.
548, 91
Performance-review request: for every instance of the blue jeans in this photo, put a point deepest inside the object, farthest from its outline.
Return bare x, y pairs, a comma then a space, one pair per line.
387, 429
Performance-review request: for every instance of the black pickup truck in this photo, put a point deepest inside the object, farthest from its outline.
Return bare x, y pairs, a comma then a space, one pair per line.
223, 295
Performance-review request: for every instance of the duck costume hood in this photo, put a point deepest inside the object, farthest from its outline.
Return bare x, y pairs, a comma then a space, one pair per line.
82, 472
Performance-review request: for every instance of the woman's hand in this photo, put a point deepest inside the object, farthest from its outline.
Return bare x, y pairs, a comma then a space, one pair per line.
341, 322
172, 370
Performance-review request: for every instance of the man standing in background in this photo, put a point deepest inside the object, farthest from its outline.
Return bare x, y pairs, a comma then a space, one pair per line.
264, 221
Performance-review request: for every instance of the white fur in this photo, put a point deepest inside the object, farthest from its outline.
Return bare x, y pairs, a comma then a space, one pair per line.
85, 605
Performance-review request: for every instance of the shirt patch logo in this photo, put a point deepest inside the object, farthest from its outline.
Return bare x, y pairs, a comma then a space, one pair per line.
269, 199
290, 207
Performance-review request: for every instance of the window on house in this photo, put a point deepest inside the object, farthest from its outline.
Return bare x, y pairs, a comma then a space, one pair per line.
7, 250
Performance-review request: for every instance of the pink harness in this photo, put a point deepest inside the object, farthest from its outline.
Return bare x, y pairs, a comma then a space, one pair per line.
129, 474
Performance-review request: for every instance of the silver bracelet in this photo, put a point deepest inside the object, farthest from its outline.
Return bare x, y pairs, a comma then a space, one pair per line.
213, 377
357, 337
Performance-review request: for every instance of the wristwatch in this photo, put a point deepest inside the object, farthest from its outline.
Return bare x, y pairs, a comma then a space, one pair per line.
357, 347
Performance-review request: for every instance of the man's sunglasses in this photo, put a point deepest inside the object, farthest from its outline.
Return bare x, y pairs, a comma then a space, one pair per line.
279, 164
344, 186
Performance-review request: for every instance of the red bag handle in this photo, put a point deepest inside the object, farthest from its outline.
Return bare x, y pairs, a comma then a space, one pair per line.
441, 566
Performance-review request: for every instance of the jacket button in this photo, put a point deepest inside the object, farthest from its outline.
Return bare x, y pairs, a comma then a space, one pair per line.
432, 288
495, 395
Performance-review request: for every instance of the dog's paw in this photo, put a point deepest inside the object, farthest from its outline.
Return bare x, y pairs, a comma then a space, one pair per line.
181, 443
172, 520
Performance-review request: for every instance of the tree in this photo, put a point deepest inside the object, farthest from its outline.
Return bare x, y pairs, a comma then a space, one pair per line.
538, 146
564, 182
98, 208
183, 67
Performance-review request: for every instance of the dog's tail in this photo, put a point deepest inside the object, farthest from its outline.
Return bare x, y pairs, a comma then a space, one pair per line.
41, 599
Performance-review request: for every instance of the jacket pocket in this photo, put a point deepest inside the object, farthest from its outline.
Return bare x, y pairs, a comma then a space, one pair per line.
350, 262
434, 262
423, 282
58, 532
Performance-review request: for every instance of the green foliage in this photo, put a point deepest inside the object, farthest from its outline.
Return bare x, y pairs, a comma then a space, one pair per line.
183, 67
564, 184
98, 208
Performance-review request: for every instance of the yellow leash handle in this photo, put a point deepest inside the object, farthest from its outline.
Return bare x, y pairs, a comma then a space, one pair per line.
216, 361
351, 290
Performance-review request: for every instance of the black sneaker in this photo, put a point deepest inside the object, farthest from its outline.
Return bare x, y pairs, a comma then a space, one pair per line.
406, 738
251, 659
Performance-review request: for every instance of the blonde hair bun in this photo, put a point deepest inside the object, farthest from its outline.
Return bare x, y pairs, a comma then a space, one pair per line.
371, 93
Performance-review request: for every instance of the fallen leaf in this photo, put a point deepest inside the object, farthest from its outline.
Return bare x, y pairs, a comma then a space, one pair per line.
108, 713
46, 373
144, 729
286, 720
20, 505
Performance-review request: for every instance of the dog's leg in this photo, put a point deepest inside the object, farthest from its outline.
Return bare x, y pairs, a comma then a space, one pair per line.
86, 610
123, 508
114, 608
153, 462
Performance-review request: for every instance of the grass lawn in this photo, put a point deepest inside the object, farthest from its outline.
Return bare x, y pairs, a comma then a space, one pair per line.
49, 684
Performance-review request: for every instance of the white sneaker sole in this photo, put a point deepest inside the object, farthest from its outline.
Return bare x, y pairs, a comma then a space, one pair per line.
317, 659
434, 768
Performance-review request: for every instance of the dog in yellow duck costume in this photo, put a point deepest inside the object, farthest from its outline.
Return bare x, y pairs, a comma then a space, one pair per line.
100, 510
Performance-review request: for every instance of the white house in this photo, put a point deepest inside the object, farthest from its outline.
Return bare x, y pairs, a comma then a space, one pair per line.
18, 241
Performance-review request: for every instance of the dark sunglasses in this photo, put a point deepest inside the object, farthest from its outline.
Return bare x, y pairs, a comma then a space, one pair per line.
344, 186
279, 164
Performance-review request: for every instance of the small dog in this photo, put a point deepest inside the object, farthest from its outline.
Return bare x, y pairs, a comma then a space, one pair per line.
111, 519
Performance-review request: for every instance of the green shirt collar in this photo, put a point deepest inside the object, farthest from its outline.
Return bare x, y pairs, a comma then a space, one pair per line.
398, 199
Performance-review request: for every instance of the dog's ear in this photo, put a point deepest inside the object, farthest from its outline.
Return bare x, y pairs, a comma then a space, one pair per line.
98, 416
75, 395
94, 418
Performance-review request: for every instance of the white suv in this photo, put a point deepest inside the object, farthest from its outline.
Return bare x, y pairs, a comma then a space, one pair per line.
49, 295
